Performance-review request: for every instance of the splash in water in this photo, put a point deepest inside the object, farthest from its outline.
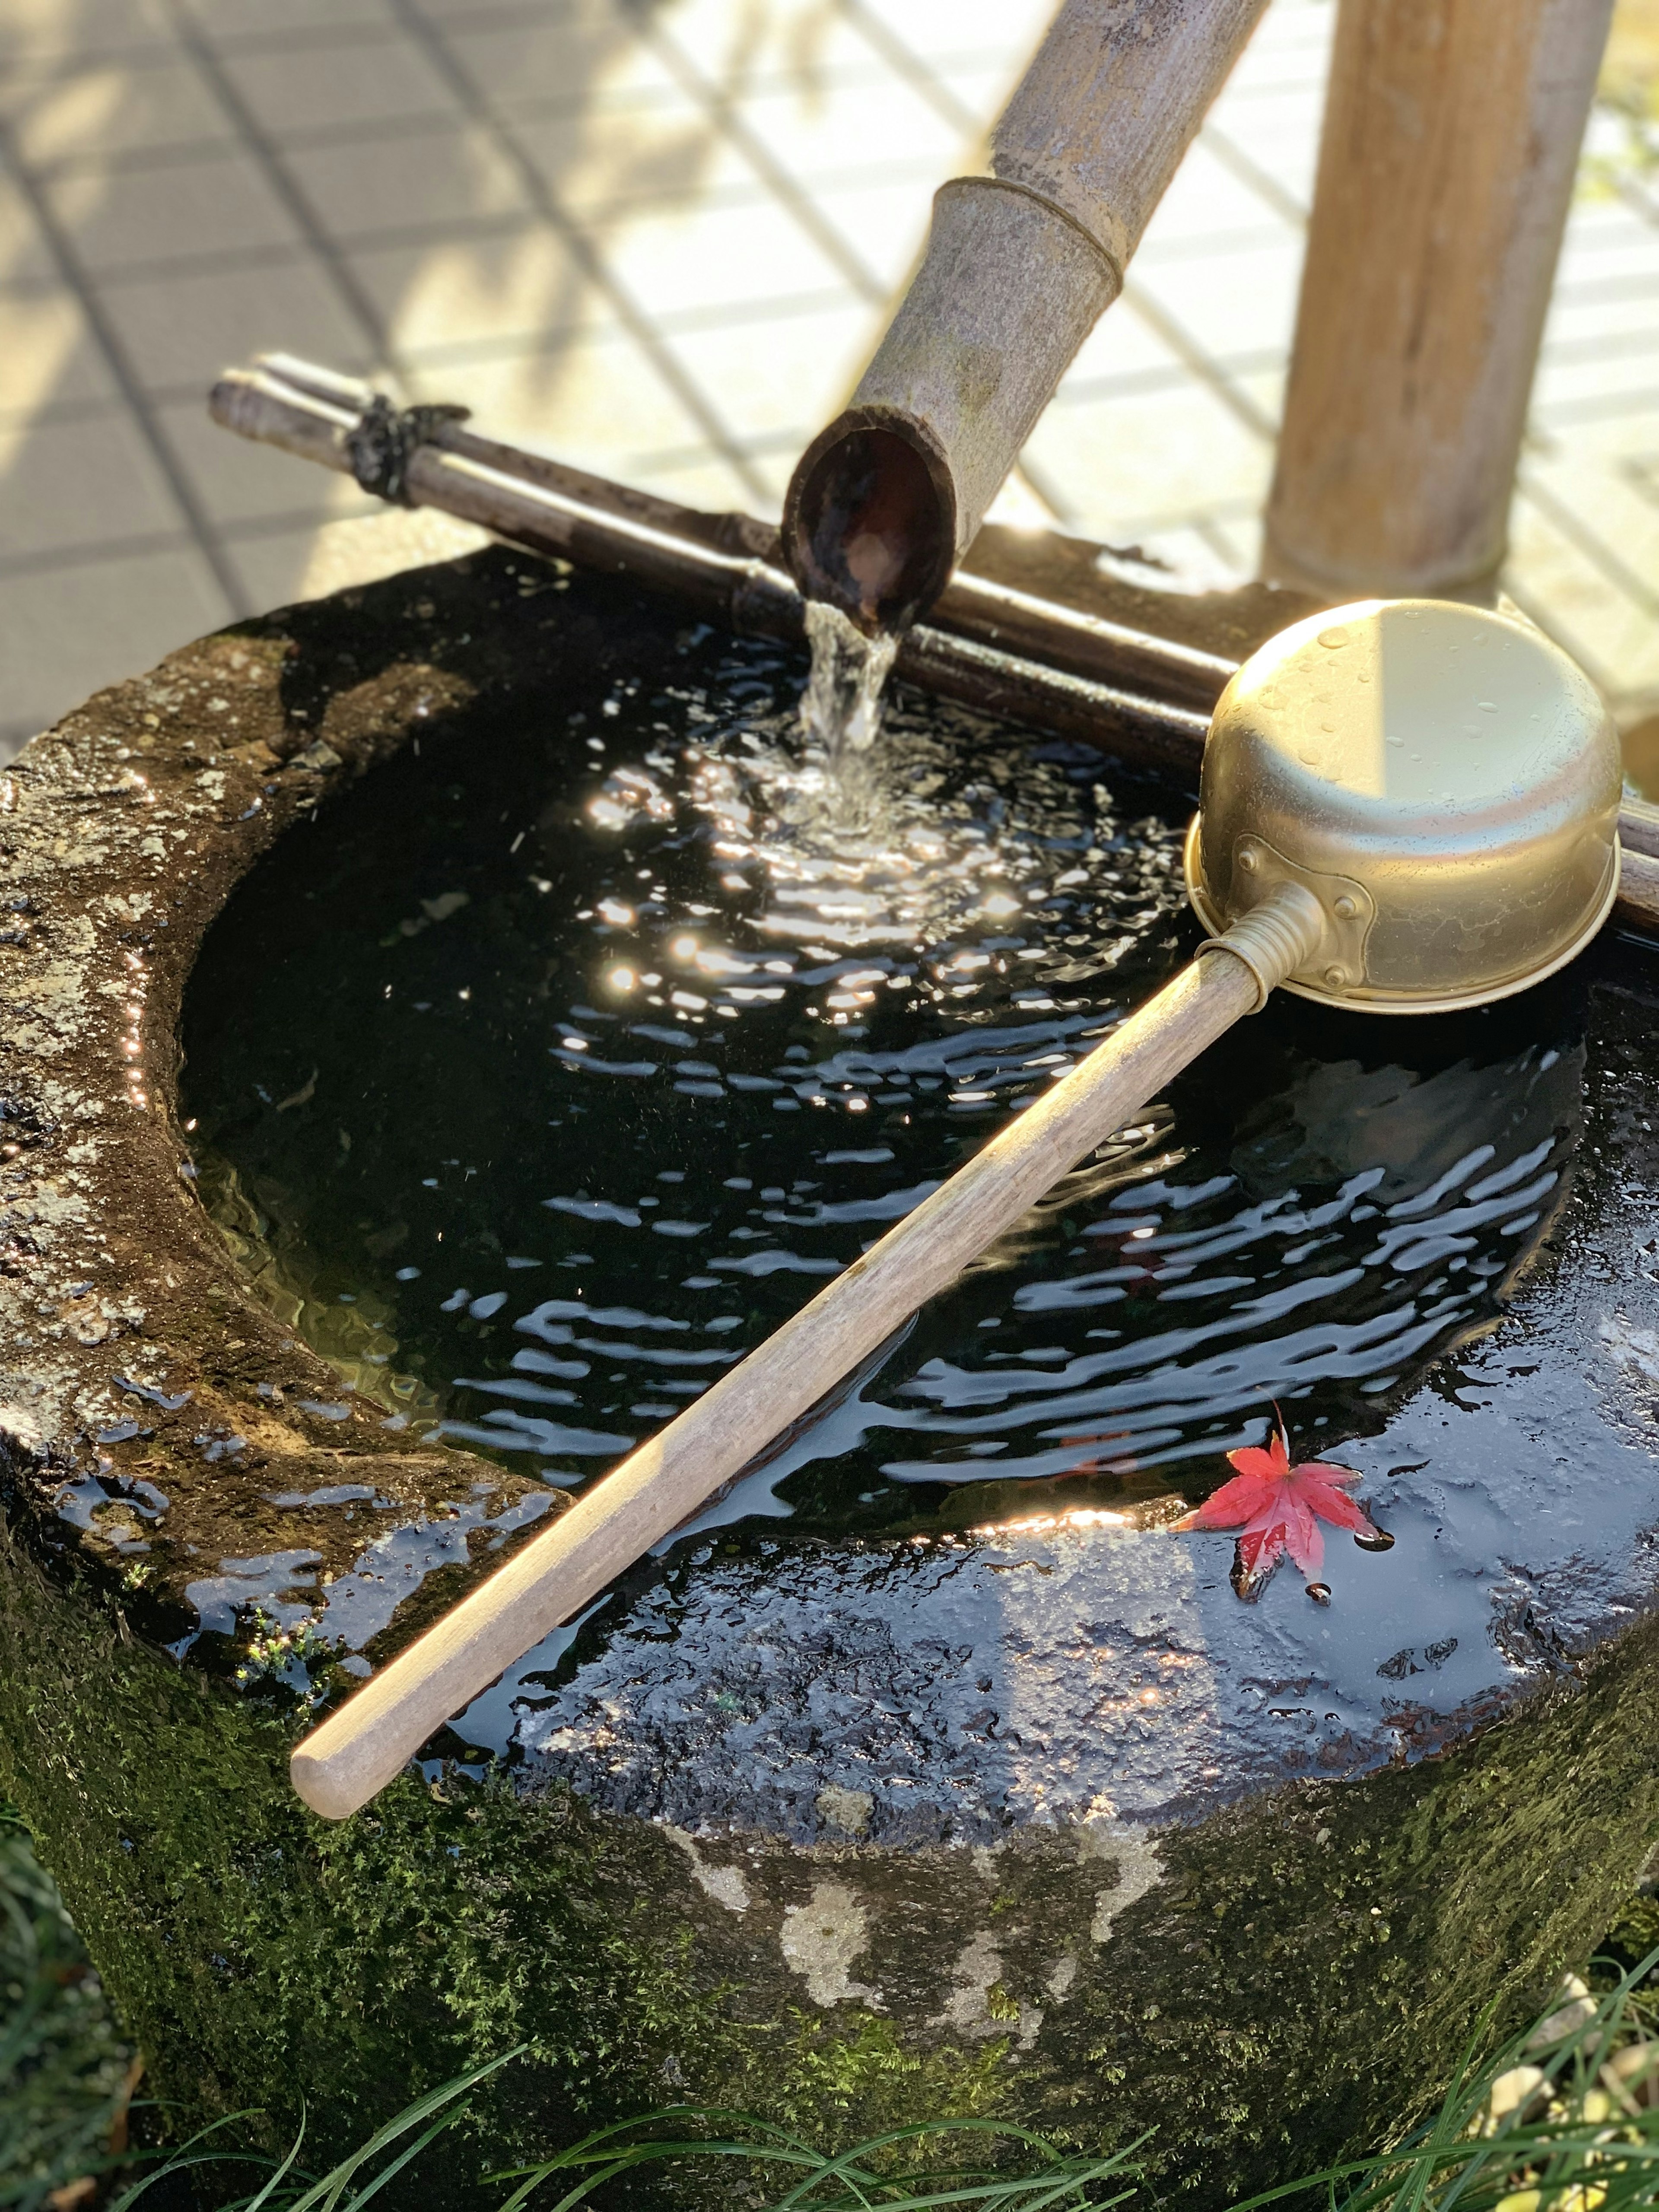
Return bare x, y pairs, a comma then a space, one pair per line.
841, 706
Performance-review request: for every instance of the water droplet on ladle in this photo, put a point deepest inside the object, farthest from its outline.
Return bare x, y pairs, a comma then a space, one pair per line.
1320, 1593
1376, 1539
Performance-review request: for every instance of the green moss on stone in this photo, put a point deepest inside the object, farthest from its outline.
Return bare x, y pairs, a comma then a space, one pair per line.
263, 1957
851, 2080
1309, 1966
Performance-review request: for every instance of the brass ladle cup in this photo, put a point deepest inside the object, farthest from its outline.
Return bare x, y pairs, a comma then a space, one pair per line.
1405, 807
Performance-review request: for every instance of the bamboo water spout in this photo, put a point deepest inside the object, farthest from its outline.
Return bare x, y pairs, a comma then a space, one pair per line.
1332, 853
1001, 648
1020, 264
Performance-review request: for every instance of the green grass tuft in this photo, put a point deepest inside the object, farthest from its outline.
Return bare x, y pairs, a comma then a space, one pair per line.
1563, 2117
878, 2172
64, 2065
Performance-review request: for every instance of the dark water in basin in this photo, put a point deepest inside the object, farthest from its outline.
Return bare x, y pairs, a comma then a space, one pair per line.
556, 1066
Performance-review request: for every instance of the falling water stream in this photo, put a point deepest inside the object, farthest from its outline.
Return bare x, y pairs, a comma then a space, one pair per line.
564, 1058
841, 706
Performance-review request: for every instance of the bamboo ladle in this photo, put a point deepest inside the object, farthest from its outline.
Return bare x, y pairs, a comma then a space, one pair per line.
1405, 807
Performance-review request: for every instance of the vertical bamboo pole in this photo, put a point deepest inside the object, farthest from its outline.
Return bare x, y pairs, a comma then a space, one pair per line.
1452, 130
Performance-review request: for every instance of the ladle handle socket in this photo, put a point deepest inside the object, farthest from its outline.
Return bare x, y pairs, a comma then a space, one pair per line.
357, 1750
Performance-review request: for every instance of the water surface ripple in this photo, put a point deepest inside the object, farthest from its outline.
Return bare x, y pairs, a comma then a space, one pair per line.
564, 1059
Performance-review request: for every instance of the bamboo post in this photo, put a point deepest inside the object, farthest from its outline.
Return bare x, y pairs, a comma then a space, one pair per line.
1451, 137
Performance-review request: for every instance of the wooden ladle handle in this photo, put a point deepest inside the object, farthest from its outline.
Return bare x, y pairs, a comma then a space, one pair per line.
356, 1751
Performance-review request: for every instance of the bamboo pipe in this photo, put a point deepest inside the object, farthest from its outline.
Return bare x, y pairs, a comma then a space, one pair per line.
358, 1749
1071, 673
277, 401
1446, 167
728, 566
1019, 266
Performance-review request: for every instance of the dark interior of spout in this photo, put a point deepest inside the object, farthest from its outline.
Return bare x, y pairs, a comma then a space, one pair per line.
870, 524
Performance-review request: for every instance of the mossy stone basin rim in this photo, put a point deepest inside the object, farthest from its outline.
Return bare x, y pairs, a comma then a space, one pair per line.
1260, 1922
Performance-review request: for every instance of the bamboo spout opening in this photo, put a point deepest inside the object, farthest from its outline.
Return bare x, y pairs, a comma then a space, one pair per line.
870, 522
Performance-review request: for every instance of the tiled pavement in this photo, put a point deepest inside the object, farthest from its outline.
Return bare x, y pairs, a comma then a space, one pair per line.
657, 240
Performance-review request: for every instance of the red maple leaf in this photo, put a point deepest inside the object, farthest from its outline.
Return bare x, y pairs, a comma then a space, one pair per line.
1278, 1508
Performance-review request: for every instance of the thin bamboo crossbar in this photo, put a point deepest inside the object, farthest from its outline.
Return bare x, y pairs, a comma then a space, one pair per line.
988, 643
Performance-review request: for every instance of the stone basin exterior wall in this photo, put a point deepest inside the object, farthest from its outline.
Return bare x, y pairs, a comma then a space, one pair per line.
1266, 1972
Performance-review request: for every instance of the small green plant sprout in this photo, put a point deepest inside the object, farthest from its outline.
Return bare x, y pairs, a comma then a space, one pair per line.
290, 1656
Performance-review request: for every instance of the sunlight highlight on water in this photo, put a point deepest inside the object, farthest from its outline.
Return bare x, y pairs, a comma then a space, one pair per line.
632, 1029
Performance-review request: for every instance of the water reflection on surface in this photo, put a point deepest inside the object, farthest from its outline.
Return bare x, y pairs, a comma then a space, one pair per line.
594, 1043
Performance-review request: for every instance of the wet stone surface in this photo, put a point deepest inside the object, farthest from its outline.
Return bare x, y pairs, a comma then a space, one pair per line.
551, 1066
160, 1428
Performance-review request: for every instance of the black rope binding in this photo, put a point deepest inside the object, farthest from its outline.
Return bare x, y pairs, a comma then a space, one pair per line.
382, 442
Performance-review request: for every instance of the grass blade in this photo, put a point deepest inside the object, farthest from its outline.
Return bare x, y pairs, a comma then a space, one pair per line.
325, 2194
264, 2197
181, 2160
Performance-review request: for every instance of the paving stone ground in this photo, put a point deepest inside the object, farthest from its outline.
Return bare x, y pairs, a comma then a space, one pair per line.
660, 240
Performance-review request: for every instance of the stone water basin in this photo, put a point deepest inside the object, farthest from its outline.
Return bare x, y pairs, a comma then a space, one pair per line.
568, 1031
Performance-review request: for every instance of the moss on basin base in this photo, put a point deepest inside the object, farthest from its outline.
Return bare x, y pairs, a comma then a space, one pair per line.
1308, 1966
263, 1957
